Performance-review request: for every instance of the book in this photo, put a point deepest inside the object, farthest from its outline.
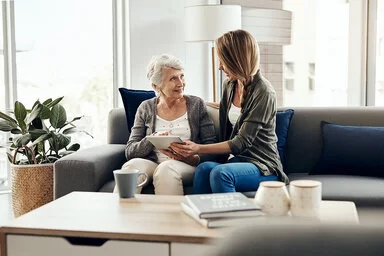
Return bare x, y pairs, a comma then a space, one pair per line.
216, 205
217, 222
163, 142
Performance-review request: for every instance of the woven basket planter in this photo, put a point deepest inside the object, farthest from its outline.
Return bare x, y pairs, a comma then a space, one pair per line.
32, 186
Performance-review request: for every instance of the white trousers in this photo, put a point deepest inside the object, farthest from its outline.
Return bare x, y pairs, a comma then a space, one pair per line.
168, 176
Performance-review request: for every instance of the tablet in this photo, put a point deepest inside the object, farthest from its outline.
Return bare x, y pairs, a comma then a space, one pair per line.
163, 142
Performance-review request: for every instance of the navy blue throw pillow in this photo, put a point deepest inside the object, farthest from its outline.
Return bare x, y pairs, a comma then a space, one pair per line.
353, 150
131, 101
283, 120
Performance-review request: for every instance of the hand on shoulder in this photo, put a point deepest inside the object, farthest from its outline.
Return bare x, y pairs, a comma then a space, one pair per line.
213, 104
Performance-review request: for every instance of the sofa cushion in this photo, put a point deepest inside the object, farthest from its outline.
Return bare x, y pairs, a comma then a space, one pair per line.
351, 150
131, 101
283, 120
363, 191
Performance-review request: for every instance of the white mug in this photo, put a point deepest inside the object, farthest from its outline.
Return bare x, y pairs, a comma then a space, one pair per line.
305, 198
273, 198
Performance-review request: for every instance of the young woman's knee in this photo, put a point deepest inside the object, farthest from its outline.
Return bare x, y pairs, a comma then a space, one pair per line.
204, 169
221, 173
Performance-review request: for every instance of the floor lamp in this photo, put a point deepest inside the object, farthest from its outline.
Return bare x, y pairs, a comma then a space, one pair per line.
272, 26
208, 22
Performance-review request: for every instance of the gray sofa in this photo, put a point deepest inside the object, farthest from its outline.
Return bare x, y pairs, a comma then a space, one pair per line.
91, 169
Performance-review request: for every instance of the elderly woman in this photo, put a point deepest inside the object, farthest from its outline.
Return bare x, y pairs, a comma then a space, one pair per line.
173, 113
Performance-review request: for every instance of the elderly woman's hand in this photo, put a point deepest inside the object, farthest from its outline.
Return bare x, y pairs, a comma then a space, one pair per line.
186, 149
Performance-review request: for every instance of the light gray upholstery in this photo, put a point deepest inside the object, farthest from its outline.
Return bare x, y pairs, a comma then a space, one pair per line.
91, 169
117, 129
296, 238
88, 169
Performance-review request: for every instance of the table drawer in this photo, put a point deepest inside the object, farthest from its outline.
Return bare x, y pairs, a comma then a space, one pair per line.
20, 245
184, 249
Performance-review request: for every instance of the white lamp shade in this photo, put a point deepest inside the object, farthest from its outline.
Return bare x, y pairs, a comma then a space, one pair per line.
268, 25
208, 22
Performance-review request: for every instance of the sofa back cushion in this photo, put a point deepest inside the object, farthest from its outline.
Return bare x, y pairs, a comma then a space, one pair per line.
351, 150
283, 121
131, 101
304, 141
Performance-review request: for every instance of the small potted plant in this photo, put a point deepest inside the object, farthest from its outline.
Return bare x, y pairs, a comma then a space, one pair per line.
39, 137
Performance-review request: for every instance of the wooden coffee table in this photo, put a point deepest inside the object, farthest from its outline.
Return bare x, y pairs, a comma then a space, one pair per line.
87, 223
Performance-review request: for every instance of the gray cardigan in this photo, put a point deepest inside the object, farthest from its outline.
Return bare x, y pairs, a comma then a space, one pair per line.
253, 137
201, 125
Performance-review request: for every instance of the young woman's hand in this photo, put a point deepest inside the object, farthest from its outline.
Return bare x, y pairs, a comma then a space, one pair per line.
213, 104
191, 160
186, 149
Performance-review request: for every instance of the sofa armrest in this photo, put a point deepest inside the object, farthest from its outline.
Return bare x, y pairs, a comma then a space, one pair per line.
88, 169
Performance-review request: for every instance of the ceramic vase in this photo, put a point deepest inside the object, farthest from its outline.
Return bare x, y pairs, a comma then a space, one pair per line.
273, 198
305, 198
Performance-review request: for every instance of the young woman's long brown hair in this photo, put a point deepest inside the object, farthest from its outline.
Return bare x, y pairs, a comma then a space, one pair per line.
239, 52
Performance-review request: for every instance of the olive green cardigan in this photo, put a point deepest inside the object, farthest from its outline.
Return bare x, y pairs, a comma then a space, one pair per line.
253, 138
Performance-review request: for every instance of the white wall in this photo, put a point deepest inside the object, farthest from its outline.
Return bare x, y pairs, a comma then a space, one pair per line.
157, 27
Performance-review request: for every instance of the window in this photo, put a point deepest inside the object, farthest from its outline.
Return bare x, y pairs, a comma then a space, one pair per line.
3, 157
320, 52
311, 76
379, 100
64, 48
289, 74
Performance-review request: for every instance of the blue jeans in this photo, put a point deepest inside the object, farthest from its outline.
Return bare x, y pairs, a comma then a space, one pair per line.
212, 177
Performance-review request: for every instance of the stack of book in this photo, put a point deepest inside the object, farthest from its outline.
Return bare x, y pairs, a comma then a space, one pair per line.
221, 210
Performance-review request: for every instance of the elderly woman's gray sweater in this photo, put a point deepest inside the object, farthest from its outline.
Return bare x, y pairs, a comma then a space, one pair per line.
201, 125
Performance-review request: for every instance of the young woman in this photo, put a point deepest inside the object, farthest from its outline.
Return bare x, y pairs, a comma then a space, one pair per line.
247, 143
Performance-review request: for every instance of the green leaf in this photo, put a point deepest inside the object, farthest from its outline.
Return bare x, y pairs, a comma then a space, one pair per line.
20, 111
16, 131
20, 114
45, 113
36, 103
53, 103
70, 130
10, 157
74, 147
68, 152
59, 141
58, 116
36, 133
47, 101
42, 138
34, 113
76, 118
22, 140
7, 126
90, 135
7, 117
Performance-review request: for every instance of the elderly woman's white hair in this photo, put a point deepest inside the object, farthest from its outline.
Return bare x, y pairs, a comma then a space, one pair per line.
158, 63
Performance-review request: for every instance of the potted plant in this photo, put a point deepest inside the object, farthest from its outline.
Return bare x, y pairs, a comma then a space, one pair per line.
39, 137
